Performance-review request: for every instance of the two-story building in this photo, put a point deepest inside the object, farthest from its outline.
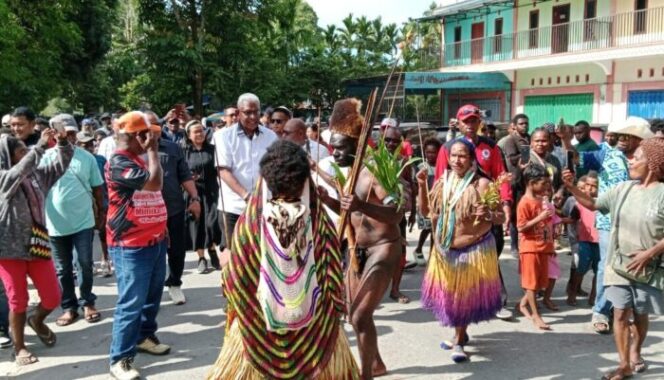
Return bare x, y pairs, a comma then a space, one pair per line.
596, 60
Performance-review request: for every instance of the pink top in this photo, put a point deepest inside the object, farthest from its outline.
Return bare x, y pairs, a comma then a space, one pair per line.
586, 230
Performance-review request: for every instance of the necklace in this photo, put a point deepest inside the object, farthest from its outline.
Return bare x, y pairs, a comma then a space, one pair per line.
453, 189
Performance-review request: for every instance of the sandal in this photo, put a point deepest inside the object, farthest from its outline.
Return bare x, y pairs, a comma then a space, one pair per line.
67, 318
601, 327
93, 317
23, 360
48, 339
616, 374
448, 344
458, 354
400, 298
640, 366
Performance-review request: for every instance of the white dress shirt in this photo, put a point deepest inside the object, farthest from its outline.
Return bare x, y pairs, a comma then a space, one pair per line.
107, 147
325, 165
315, 150
241, 155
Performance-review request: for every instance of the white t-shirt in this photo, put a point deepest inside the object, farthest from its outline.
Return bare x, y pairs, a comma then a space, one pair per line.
241, 155
107, 147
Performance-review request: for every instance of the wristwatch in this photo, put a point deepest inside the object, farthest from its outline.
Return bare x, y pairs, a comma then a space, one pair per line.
195, 199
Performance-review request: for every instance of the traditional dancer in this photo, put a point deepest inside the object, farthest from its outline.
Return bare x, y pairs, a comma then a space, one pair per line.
374, 242
284, 282
461, 284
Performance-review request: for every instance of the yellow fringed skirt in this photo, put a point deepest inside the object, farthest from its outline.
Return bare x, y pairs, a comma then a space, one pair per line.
233, 365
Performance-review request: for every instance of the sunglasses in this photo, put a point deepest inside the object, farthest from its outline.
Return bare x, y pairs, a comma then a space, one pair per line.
470, 111
277, 121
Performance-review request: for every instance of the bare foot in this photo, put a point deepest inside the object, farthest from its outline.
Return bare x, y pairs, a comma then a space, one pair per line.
550, 305
539, 323
523, 309
571, 300
378, 370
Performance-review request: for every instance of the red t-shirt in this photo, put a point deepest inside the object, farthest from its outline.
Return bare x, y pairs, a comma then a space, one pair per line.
585, 228
489, 158
538, 239
136, 218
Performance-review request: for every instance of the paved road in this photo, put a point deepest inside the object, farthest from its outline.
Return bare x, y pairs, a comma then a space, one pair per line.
409, 339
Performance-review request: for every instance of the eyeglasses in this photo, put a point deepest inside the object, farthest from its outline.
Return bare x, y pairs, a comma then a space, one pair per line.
277, 121
250, 113
620, 136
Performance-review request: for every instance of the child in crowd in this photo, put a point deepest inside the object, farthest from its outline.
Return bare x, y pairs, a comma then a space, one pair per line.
570, 219
554, 266
535, 240
588, 254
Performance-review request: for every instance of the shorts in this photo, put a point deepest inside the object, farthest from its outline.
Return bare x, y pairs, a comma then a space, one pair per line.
534, 270
554, 267
643, 299
587, 258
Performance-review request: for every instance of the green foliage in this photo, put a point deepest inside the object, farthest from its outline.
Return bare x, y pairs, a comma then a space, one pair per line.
387, 169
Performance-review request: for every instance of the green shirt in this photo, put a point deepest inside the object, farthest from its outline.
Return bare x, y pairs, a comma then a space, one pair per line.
69, 201
641, 222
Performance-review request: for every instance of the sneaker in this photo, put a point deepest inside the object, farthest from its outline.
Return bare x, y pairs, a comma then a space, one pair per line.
152, 346
105, 269
176, 295
202, 265
5, 339
504, 314
458, 354
124, 369
409, 265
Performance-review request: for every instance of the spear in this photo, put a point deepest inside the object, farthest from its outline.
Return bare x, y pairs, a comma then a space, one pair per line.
359, 157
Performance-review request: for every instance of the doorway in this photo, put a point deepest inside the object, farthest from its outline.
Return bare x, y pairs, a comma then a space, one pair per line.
477, 42
560, 29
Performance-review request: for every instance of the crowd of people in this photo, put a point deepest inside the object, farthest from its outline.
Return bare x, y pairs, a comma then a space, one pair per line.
257, 193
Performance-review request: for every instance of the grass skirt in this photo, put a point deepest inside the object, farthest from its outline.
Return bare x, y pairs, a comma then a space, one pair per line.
462, 286
233, 365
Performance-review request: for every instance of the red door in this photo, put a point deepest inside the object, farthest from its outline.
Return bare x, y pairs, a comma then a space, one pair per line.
560, 29
477, 42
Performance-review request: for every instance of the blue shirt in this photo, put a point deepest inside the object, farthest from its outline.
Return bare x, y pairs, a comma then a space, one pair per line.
611, 166
69, 202
101, 163
177, 137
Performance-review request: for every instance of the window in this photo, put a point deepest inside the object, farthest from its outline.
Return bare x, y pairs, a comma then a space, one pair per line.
457, 42
533, 33
589, 15
640, 16
498, 39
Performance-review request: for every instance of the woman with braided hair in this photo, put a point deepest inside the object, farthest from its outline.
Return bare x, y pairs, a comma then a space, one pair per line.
284, 282
461, 284
637, 238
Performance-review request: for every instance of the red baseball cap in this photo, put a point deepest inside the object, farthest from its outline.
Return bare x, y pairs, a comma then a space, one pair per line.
468, 111
136, 121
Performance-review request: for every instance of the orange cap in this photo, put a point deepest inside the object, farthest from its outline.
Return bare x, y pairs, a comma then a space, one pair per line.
136, 121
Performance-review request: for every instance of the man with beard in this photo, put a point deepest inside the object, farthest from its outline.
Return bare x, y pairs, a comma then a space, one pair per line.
376, 249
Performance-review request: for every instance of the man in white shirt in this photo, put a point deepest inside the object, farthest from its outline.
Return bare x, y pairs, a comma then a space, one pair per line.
239, 149
108, 144
295, 131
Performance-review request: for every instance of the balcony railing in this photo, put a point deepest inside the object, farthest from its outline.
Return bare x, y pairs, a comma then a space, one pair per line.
621, 30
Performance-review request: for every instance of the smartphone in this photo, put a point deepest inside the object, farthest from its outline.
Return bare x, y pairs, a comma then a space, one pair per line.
525, 155
179, 110
570, 161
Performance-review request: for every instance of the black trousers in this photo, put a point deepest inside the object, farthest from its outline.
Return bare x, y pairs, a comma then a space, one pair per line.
227, 230
177, 249
500, 244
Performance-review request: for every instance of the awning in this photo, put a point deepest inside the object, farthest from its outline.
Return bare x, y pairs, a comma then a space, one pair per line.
437, 80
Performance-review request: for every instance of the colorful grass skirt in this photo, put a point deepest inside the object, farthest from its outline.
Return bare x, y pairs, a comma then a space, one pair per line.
462, 286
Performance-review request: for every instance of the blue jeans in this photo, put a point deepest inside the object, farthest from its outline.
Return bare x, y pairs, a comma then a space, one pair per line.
140, 274
63, 255
602, 305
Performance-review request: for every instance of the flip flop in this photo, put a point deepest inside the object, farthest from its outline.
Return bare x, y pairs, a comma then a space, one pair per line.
66, 321
23, 360
600, 327
93, 317
448, 344
48, 339
640, 366
401, 298
458, 354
